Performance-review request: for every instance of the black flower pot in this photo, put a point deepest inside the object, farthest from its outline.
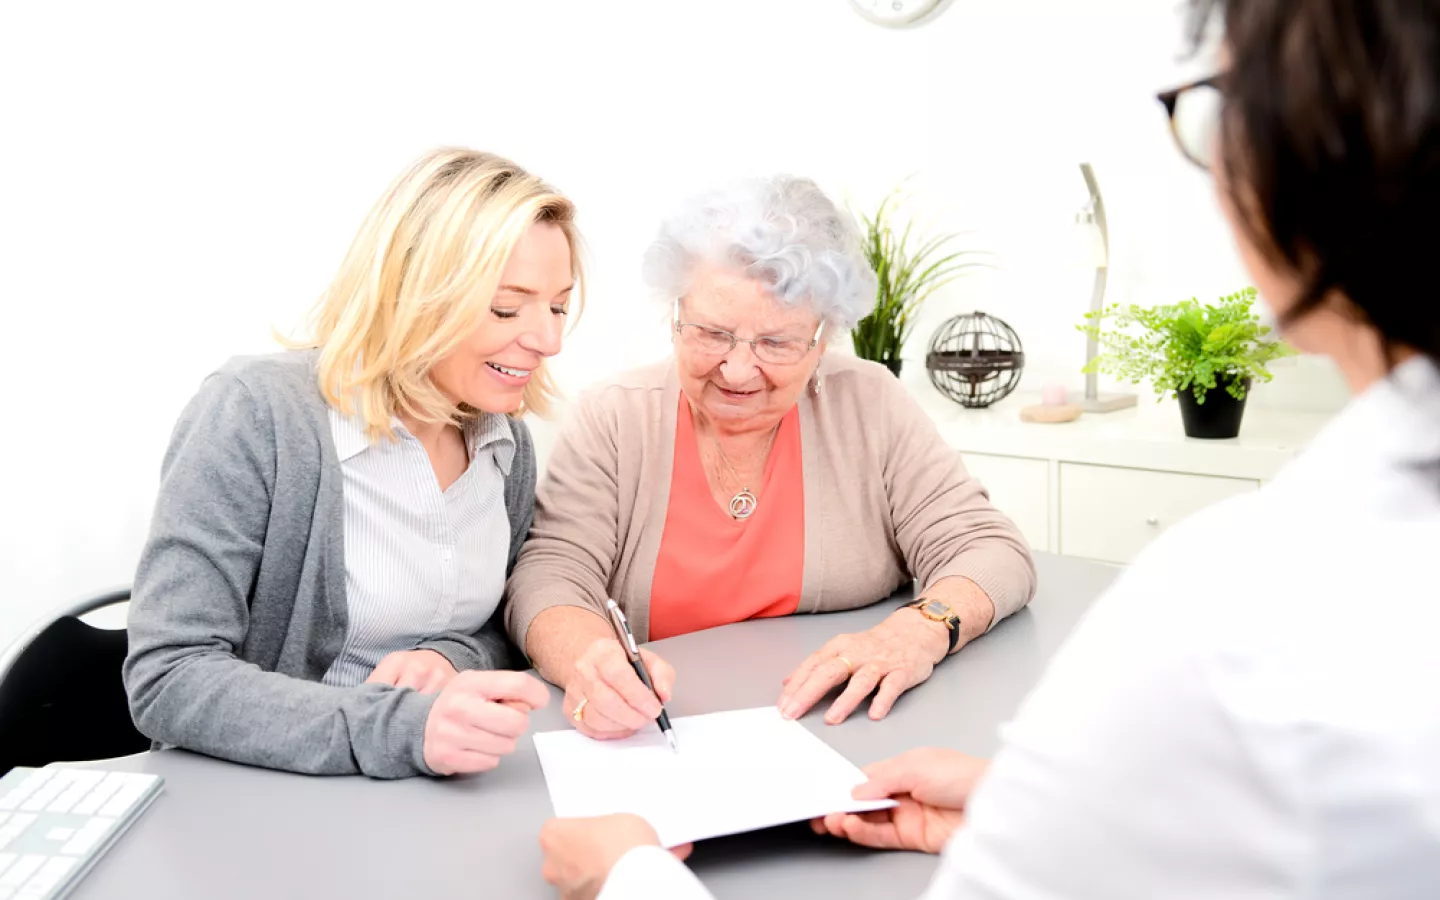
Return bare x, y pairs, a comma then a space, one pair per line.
894, 366
1218, 417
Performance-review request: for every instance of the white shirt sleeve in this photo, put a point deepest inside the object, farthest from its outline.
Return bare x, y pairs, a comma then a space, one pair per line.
1127, 772
650, 873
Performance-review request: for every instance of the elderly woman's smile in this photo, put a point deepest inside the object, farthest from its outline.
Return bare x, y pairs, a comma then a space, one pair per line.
737, 385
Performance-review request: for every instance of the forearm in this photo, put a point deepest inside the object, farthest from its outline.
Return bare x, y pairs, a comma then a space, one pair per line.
1003, 570
944, 521
550, 577
965, 598
559, 636
970, 603
218, 705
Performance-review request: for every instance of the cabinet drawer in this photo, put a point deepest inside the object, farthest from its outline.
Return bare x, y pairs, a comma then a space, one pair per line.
1020, 488
1109, 513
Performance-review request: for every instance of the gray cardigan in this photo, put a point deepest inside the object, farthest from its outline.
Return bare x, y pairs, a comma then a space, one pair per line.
239, 605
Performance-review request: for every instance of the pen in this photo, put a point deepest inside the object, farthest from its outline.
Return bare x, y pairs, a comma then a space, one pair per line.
627, 642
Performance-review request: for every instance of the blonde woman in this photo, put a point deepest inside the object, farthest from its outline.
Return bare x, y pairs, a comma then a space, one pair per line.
335, 522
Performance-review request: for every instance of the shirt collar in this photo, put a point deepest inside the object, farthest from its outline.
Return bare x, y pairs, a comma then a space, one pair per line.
349, 435
492, 430
489, 430
1391, 428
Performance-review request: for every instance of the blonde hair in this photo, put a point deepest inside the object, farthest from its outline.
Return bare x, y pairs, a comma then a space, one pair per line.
419, 275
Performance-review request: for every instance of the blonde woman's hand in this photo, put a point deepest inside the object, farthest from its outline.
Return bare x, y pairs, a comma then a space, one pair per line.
888, 659
424, 670
612, 700
477, 719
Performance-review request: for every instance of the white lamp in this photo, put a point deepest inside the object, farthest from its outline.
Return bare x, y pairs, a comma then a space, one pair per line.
1094, 236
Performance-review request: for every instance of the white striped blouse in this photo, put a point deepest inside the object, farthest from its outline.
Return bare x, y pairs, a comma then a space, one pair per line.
418, 561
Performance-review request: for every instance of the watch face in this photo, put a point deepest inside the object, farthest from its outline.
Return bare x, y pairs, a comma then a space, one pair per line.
935, 607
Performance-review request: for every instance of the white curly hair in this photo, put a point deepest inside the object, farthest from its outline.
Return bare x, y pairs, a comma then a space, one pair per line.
783, 231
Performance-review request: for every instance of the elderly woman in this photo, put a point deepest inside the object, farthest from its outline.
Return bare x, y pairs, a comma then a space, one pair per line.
755, 475
320, 587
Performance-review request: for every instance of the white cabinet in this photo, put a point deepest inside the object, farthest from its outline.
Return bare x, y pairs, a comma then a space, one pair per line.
1105, 485
1021, 488
1109, 513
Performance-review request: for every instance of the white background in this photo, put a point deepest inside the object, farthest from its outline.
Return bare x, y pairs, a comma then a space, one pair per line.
177, 179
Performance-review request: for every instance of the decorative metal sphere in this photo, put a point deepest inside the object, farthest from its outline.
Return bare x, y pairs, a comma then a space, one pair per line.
975, 360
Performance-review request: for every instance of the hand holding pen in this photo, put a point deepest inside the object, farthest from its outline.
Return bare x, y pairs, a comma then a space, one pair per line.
637, 662
605, 697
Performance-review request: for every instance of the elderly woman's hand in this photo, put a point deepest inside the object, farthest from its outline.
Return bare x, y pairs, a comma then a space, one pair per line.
605, 699
894, 656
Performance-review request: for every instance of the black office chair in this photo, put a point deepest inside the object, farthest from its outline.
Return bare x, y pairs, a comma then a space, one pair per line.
61, 696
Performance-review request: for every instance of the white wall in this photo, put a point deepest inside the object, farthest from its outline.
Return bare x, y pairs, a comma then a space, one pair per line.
177, 178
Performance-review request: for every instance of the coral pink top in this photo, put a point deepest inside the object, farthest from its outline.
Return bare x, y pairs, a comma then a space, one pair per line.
713, 569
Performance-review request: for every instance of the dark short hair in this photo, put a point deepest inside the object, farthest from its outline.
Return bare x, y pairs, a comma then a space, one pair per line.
1330, 141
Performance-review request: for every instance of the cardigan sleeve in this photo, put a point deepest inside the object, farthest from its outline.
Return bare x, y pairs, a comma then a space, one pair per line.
571, 552
944, 522
190, 615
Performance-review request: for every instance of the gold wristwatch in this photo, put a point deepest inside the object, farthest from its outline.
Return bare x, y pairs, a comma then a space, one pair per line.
936, 611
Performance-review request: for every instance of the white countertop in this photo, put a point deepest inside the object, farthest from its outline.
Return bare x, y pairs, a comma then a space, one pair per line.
1149, 436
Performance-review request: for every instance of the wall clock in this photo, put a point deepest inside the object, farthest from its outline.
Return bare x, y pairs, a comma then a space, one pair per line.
895, 13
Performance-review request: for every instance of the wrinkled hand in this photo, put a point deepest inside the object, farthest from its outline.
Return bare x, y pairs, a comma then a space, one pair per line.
894, 656
617, 702
932, 787
477, 719
424, 670
579, 853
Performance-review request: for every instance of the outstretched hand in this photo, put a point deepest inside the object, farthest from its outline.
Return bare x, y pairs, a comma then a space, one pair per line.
931, 786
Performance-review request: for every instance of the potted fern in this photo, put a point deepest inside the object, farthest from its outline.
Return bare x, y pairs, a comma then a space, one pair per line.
908, 268
1207, 355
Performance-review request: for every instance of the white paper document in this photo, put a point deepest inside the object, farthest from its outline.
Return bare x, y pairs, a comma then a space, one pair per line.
734, 772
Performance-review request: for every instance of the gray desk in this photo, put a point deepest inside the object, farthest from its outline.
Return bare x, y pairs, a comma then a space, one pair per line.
227, 831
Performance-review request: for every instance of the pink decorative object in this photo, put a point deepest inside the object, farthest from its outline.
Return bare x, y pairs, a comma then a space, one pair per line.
1053, 395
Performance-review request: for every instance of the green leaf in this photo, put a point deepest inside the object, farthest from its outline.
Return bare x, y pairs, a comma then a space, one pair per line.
1185, 346
908, 269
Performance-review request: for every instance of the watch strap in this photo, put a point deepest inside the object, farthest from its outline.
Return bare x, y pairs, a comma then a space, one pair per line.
951, 622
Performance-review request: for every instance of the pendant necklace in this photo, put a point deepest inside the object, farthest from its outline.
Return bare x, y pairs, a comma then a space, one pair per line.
744, 503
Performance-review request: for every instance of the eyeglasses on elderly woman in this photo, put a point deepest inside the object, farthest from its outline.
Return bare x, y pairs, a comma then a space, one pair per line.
773, 349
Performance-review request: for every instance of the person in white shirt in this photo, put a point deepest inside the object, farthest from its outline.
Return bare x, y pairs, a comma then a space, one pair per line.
1251, 711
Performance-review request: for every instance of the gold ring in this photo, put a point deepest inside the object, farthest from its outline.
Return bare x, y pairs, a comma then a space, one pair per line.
578, 713
849, 666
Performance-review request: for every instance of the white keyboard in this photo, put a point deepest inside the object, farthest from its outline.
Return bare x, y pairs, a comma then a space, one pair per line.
56, 822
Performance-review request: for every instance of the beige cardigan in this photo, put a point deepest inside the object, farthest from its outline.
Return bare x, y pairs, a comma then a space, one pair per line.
885, 499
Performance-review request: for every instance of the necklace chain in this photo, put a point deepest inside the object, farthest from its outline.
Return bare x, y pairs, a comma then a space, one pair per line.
744, 503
